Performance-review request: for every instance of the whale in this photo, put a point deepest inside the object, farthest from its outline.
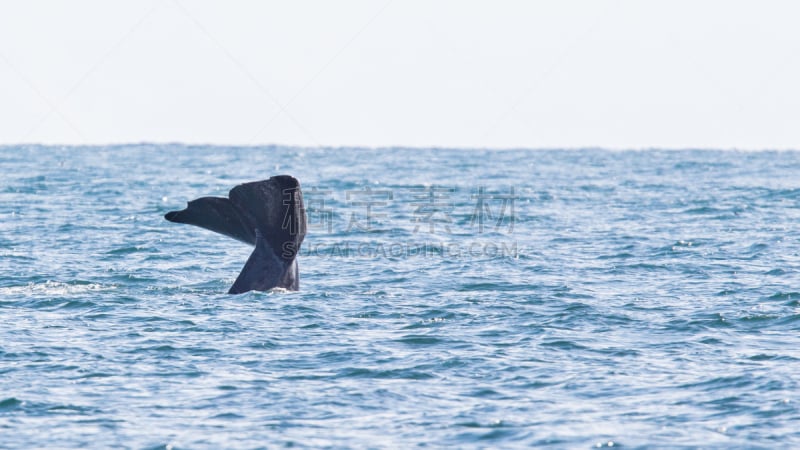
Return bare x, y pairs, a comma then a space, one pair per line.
267, 214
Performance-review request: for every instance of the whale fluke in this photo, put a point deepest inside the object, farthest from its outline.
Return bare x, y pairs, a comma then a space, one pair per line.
268, 214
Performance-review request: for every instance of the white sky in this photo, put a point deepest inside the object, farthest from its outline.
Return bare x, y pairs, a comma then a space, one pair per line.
618, 74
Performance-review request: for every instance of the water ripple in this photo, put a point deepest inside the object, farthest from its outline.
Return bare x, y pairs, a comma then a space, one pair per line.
641, 299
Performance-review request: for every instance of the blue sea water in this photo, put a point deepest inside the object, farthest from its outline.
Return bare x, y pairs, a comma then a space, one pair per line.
449, 298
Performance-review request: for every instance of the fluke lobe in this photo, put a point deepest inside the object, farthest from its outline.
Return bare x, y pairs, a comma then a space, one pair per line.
268, 214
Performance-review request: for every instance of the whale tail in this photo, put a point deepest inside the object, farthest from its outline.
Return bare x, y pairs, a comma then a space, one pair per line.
268, 214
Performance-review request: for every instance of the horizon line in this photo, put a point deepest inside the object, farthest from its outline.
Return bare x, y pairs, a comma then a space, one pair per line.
401, 147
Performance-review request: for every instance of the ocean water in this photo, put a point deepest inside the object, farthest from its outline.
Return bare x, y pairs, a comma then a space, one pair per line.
449, 298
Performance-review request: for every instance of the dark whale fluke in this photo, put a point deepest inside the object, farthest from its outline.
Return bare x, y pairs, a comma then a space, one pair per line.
268, 214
